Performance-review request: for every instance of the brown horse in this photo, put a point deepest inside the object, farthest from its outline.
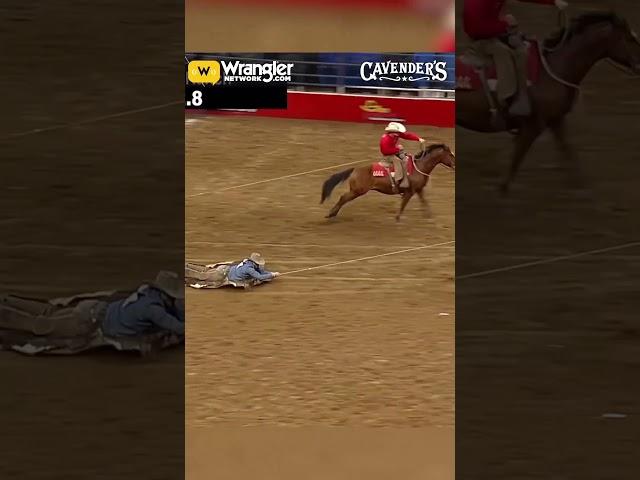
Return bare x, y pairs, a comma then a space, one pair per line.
567, 58
362, 179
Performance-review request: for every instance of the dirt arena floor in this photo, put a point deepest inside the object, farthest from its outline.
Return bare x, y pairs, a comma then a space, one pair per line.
366, 343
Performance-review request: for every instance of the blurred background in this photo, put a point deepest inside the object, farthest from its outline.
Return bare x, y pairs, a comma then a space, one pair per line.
314, 25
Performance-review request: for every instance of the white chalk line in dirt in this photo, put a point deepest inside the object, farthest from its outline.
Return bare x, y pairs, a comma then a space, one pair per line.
300, 245
86, 121
84, 248
371, 257
546, 261
284, 177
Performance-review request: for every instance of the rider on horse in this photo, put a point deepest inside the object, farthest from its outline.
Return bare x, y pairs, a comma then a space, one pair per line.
496, 35
394, 154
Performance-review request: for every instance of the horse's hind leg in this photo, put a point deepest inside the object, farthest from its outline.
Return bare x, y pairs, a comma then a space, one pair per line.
344, 199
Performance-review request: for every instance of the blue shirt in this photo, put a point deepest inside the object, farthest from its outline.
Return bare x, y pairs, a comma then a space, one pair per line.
247, 270
147, 310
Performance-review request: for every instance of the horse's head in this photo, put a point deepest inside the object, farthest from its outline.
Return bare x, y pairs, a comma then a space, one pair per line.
440, 153
623, 47
609, 30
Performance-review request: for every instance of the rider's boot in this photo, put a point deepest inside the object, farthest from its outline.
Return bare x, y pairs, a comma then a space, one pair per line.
404, 183
394, 183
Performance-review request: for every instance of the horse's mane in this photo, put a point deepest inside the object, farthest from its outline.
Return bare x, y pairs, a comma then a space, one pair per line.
579, 24
429, 149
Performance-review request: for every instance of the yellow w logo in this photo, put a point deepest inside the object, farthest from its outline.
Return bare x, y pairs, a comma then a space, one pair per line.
204, 71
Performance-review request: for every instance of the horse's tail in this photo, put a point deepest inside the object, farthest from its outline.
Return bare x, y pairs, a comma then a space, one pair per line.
333, 181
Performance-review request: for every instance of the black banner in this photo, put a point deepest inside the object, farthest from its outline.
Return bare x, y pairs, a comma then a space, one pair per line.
236, 96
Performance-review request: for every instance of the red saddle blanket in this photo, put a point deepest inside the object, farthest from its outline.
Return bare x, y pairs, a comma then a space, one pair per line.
467, 77
379, 170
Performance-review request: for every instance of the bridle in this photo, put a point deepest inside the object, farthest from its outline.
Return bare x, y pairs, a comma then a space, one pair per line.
415, 166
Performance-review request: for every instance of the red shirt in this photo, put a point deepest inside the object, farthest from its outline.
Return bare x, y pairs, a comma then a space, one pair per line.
389, 142
483, 18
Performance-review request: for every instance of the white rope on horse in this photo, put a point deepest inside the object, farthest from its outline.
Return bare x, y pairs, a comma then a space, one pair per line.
564, 19
413, 160
547, 67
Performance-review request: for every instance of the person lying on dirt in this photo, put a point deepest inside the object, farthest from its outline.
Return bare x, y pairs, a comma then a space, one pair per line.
154, 311
394, 153
251, 268
156, 306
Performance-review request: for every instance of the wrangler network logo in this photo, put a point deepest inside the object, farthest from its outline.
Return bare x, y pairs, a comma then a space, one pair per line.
204, 71
212, 71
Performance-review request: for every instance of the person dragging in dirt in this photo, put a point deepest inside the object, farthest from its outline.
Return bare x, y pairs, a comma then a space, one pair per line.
154, 307
251, 268
496, 35
394, 153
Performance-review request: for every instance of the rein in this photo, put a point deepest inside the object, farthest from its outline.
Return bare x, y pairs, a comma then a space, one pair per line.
564, 22
413, 160
547, 67
622, 68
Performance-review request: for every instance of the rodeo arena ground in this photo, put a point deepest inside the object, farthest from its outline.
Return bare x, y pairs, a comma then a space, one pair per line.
359, 328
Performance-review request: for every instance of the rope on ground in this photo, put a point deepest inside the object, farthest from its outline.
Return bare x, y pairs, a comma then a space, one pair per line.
369, 257
274, 179
62, 126
546, 261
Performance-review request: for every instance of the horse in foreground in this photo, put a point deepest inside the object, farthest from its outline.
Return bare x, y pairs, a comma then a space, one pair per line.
377, 177
557, 68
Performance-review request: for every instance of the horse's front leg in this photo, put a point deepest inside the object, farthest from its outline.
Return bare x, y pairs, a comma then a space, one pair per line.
523, 142
573, 167
406, 196
425, 204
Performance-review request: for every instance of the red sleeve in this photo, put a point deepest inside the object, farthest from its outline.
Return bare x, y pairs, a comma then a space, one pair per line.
409, 136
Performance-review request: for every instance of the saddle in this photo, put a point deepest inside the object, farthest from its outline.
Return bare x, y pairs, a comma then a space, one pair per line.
379, 169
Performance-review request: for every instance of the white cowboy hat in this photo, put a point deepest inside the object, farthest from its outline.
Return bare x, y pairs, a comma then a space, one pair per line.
257, 258
396, 127
169, 283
